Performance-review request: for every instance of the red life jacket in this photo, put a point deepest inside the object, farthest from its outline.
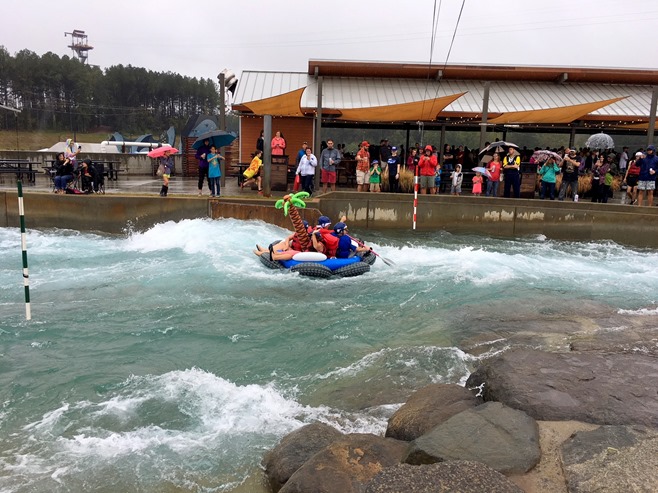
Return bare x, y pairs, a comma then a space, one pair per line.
330, 242
295, 244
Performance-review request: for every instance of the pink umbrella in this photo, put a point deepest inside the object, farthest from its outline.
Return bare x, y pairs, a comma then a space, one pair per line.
160, 151
542, 156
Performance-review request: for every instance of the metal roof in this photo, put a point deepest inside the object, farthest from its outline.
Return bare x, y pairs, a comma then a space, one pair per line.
504, 96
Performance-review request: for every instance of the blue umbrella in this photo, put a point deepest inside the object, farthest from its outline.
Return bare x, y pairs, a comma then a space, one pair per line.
217, 138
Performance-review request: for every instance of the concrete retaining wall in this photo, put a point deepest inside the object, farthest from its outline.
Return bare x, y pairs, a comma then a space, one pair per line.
581, 221
498, 217
114, 214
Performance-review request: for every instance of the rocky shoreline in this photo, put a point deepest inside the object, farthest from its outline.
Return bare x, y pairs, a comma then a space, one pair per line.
526, 421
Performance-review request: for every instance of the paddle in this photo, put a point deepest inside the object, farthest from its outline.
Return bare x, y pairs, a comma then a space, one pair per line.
387, 261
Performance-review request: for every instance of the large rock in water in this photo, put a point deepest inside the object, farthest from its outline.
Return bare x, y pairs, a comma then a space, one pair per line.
453, 476
427, 408
505, 439
346, 465
296, 448
595, 388
614, 459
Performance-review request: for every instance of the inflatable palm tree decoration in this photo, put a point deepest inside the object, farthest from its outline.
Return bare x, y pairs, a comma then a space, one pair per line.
289, 204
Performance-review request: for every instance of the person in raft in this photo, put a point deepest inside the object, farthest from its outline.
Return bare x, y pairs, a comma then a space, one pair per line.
252, 173
283, 250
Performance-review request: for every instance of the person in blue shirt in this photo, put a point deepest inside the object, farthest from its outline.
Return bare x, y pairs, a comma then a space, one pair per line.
647, 179
393, 164
214, 171
301, 153
345, 247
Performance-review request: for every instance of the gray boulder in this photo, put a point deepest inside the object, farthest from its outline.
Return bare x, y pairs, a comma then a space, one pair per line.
452, 476
346, 465
427, 408
614, 459
505, 439
296, 448
595, 388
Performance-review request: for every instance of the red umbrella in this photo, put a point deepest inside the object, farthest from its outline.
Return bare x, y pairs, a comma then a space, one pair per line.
160, 151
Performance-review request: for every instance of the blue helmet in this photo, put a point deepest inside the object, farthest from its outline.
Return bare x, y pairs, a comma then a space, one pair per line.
324, 222
340, 227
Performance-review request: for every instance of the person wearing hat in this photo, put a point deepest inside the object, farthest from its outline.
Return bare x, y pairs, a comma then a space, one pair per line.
512, 172
632, 176
393, 166
647, 179
427, 170
570, 166
329, 158
345, 248
375, 177
363, 168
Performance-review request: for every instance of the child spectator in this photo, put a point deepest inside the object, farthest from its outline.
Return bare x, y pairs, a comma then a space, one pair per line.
375, 176
456, 178
477, 183
437, 178
214, 171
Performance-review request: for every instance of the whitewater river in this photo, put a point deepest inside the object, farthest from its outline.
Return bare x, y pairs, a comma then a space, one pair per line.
171, 360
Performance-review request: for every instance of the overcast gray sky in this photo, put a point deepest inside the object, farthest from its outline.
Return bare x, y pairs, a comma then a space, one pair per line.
199, 38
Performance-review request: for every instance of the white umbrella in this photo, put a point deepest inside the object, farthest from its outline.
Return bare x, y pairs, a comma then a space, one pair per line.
600, 141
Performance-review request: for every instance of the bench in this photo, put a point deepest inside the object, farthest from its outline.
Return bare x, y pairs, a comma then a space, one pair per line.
19, 167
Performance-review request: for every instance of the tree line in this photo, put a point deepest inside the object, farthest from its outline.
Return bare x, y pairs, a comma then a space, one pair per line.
61, 93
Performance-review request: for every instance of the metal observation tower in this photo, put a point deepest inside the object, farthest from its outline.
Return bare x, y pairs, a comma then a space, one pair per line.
79, 45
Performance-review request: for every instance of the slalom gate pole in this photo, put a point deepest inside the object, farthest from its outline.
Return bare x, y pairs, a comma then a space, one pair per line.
26, 277
415, 194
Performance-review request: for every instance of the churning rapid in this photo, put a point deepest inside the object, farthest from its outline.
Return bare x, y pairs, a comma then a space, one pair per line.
170, 360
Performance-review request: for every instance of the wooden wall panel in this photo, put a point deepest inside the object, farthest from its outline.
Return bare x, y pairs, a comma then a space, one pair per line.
294, 130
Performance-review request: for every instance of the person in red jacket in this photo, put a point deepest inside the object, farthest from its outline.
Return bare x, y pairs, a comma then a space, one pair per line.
427, 169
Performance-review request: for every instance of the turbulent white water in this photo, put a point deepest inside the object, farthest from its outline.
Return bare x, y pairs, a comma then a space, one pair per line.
171, 359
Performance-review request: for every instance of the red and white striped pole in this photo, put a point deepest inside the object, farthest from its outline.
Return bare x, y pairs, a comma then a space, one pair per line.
415, 194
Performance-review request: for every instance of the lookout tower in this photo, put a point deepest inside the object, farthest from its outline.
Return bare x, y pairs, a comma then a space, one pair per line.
79, 44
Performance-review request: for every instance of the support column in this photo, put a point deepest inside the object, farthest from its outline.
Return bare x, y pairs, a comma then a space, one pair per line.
318, 134
485, 114
652, 116
572, 137
406, 149
442, 144
267, 155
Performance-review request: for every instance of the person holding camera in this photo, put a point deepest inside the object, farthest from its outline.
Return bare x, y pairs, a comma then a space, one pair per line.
71, 152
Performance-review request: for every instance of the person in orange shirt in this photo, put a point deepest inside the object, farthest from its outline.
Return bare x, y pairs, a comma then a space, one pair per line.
363, 168
278, 144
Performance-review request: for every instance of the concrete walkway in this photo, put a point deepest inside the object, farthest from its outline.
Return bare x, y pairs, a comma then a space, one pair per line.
147, 185
142, 185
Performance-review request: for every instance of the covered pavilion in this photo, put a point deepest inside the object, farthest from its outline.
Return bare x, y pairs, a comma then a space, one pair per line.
357, 94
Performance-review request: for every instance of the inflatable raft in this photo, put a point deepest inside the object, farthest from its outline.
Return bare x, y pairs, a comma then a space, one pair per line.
325, 269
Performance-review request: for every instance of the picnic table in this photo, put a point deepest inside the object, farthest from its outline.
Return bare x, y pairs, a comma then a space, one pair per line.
20, 167
110, 169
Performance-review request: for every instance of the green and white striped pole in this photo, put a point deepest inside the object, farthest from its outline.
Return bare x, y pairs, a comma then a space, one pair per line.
26, 276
